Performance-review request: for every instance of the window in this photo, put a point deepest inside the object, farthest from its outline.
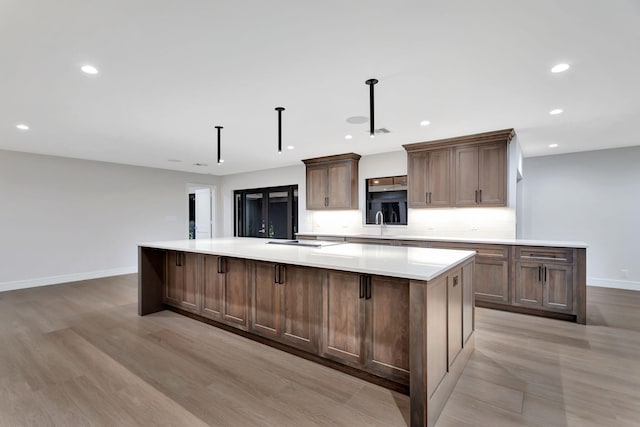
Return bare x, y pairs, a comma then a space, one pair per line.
267, 212
389, 196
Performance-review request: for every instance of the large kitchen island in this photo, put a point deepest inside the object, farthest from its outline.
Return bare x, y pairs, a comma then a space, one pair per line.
399, 316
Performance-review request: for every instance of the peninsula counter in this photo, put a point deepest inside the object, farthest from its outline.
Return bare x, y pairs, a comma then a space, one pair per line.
367, 309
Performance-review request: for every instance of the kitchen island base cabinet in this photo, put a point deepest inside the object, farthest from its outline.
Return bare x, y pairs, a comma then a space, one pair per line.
225, 297
284, 304
391, 330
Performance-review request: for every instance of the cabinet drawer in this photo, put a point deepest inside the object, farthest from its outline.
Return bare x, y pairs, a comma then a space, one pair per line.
544, 254
487, 251
369, 241
410, 243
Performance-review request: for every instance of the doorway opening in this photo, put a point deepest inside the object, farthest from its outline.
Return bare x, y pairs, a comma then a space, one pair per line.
201, 207
266, 212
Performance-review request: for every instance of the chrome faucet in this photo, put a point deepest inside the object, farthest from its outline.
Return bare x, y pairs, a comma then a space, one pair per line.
381, 220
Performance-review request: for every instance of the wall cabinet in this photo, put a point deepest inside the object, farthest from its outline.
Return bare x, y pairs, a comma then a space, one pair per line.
429, 178
481, 175
225, 295
332, 182
464, 171
181, 288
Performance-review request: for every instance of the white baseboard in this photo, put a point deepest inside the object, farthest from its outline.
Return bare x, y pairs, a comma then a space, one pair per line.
65, 278
613, 283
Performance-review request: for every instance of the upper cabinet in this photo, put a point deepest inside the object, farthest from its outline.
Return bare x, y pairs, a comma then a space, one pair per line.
459, 172
332, 182
429, 178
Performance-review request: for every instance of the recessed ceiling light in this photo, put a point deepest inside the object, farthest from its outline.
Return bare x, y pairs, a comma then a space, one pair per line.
22, 126
89, 69
348, 136
290, 147
555, 112
221, 161
560, 68
553, 145
425, 123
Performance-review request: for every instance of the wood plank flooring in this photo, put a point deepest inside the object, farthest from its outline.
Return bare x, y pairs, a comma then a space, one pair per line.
78, 355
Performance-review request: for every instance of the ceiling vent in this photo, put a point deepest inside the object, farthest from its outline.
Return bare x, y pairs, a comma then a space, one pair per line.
380, 131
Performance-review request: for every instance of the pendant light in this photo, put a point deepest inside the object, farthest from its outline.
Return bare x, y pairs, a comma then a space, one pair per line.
220, 161
372, 131
279, 110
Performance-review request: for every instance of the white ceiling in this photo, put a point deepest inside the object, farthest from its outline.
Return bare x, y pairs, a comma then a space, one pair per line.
171, 70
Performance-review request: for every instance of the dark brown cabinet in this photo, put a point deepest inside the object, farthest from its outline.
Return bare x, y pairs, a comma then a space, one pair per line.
429, 178
285, 304
343, 319
464, 171
366, 323
181, 289
481, 175
332, 182
224, 294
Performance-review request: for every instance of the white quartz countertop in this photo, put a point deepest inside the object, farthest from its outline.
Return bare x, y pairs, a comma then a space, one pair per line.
518, 242
392, 261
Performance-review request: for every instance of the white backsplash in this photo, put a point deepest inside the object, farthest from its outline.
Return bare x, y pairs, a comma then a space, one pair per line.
492, 223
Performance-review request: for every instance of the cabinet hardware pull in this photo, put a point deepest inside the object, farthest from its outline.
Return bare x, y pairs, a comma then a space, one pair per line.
281, 270
361, 286
275, 273
219, 266
368, 288
426, 197
455, 281
476, 196
480, 196
429, 197
545, 274
539, 273
326, 202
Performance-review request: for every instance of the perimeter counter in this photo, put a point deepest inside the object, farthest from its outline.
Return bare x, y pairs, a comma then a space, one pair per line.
402, 317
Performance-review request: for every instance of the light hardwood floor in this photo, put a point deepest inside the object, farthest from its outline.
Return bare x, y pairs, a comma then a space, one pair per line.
78, 354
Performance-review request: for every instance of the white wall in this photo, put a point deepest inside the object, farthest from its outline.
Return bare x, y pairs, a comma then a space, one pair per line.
64, 219
592, 197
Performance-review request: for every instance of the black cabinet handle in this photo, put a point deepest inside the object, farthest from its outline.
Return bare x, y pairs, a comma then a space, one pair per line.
220, 270
368, 288
426, 197
179, 259
540, 273
430, 197
455, 281
275, 273
361, 286
545, 274
281, 274
326, 202
480, 196
476, 196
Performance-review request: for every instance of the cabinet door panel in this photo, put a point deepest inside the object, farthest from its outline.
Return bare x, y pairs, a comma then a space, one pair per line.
466, 176
338, 185
417, 179
492, 174
343, 317
175, 279
316, 187
491, 280
190, 293
302, 306
468, 283
265, 299
213, 286
454, 315
235, 292
388, 328
436, 334
558, 293
439, 178
528, 285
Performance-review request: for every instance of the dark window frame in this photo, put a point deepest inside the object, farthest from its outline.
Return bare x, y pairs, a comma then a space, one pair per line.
292, 211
